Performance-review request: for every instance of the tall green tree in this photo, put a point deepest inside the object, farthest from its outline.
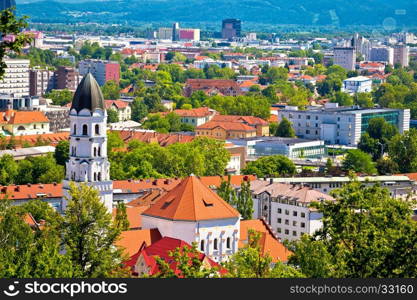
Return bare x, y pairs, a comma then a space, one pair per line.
402, 149
111, 90
365, 233
9, 24
285, 129
112, 116
358, 161
244, 202
61, 154
270, 166
89, 234
121, 217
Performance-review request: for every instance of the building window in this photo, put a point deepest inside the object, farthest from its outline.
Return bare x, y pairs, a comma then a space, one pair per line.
97, 129
294, 213
287, 212
279, 210
303, 225
99, 151
95, 176
294, 233
202, 245
279, 230
294, 223
303, 215
228, 246
85, 129
215, 245
99, 176
287, 231
95, 151
279, 220
287, 222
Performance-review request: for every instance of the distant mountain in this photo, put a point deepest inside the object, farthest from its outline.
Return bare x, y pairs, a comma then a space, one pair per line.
386, 13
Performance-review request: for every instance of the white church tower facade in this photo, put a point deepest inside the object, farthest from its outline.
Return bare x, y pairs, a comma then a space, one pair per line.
88, 161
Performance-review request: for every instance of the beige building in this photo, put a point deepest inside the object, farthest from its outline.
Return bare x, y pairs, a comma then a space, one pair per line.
225, 130
24, 122
123, 109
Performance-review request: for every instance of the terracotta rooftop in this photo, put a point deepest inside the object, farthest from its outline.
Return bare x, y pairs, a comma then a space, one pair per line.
250, 120
51, 138
134, 215
207, 83
163, 139
132, 240
195, 112
118, 103
149, 198
232, 126
191, 200
269, 243
22, 117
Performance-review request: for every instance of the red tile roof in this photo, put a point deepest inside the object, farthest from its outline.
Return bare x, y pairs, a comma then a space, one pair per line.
269, 243
134, 215
191, 200
163, 139
250, 120
195, 112
162, 249
22, 117
229, 126
51, 138
211, 83
118, 103
131, 240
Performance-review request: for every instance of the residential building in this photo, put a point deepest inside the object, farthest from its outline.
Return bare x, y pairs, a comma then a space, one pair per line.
40, 82
382, 54
261, 126
289, 147
212, 87
58, 117
359, 84
345, 57
401, 55
205, 63
362, 46
372, 67
8, 101
195, 116
123, 109
23, 122
67, 78
399, 186
88, 161
102, 70
16, 77
285, 207
23, 153
193, 213
231, 28
225, 130
340, 125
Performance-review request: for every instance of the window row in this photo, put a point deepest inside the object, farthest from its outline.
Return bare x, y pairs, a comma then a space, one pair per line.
85, 129
294, 213
216, 244
294, 223
287, 232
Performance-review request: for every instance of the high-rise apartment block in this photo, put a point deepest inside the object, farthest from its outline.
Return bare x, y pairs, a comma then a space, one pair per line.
345, 57
16, 78
41, 81
382, 54
102, 70
67, 78
401, 55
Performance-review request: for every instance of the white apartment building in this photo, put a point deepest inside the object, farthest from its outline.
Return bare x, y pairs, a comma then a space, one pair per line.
382, 53
285, 208
345, 57
16, 78
201, 64
340, 125
359, 84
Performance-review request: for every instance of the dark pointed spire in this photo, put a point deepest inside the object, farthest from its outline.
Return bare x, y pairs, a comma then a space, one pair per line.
88, 95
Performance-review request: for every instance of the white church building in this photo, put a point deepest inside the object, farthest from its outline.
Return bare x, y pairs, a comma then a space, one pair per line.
88, 161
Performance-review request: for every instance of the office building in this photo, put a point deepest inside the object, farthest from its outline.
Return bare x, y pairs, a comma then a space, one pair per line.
165, 33
340, 125
231, 28
16, 78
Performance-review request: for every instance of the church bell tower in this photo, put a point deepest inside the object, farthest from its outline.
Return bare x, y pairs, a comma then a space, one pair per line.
88, 161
